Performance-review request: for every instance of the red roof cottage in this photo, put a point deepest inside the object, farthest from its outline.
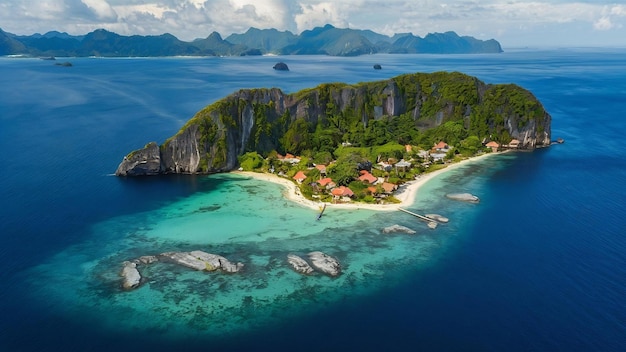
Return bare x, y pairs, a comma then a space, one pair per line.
367, 177
493, 145
300, 176
326, 182
441, 146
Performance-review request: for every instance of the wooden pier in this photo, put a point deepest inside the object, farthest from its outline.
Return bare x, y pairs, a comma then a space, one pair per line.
432, 221
422, 217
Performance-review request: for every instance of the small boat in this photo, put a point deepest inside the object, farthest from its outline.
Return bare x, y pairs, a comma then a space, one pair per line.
322, 208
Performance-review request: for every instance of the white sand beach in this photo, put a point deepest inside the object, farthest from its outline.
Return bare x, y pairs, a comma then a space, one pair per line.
406, 193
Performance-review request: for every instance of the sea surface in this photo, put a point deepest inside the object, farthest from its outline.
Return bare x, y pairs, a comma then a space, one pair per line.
538, 265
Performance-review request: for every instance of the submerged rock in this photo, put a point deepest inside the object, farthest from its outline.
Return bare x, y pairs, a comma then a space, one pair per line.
325, 263
131, 276
398, 228
300, 265
464, 197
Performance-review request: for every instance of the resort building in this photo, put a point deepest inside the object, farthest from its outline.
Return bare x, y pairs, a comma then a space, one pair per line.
342, 192
493, 145
322, 168
441, 147
514, 143
368, 178
300, 177
389, 187
326, 183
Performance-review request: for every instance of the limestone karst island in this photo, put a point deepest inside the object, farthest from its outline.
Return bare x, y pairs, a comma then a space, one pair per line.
342, 143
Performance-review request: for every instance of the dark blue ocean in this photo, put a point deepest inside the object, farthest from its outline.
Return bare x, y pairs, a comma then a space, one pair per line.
538, 265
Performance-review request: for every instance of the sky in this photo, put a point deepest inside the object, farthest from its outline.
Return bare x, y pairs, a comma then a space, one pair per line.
514, 23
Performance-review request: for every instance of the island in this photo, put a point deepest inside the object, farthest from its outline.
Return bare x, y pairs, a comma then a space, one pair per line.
341, 143
281, 66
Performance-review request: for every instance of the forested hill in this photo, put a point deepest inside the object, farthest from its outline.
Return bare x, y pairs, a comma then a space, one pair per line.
418, 109
326, 40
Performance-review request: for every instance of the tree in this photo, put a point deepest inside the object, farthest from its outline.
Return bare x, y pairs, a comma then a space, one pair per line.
470, 146
250, 161
296, 139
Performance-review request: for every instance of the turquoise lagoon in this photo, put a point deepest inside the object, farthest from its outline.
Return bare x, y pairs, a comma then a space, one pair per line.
249, 221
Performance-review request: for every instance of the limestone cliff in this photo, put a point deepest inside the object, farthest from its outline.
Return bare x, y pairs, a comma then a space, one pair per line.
267, 119
146, 161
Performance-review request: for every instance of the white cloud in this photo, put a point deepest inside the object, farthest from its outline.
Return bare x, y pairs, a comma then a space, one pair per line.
603, 24
510, 21
101, 9
315, 15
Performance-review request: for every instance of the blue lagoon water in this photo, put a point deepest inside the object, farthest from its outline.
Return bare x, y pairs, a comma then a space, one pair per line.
538, 265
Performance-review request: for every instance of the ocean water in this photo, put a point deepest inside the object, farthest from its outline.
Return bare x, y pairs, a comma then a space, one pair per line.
538, 265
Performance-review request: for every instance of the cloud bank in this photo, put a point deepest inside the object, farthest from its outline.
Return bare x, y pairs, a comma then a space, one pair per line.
512, 22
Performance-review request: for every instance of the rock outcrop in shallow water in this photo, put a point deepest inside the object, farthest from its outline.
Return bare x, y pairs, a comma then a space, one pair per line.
463, 197
325, 263
260, 119
397, 228
299, 265
200, 260
130, 274
197, 260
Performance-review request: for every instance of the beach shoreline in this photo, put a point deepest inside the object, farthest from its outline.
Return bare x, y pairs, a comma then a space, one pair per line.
406, 193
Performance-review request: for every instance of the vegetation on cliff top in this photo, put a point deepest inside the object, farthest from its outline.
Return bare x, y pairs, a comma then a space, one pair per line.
316, 122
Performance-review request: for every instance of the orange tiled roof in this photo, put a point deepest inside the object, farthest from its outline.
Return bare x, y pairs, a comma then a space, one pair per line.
325, 181
342, 191
300, 176
492, 144
389, 187
367, 177
441, 145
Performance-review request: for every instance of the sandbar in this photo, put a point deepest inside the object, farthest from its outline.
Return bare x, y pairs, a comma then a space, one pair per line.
406, 193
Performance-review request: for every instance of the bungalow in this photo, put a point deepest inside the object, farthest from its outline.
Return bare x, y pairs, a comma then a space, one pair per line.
389, 187
438, 156
424, 154
326, 182
514, 143
385, 166
372, 190
300, 176
493, 145
403, 164
289, 158
408, 148
322, 168
441, 147
367, 177
342, 192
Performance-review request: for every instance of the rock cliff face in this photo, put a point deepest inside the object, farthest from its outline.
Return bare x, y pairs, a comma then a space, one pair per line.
146, 161
258, 119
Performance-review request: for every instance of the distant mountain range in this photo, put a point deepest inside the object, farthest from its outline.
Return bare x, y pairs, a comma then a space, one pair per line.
326, 40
